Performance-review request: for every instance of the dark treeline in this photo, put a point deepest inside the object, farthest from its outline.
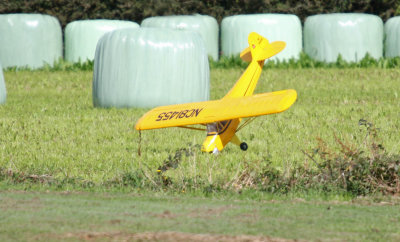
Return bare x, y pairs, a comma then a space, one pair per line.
136, 10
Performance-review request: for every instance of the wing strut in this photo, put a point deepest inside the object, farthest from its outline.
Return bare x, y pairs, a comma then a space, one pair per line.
245, 123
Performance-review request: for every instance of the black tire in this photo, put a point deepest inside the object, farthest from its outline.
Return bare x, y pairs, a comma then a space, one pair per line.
244, 146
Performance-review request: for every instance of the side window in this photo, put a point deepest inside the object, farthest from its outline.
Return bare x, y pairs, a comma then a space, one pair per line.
212, 128
217, 127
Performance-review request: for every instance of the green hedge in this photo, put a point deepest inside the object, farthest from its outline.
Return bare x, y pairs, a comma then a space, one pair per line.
69, 10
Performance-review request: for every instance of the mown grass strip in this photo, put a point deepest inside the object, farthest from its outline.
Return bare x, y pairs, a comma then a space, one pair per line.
104, 216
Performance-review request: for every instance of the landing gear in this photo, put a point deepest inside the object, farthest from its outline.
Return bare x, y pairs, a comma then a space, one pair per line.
243, 146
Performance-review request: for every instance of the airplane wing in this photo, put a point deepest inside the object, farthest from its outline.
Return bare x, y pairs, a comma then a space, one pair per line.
218, 110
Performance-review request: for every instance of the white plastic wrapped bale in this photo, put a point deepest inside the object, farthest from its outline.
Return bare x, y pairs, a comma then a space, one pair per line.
81, 37
148, 67
392, 32
352, 35
274, 27
206, 26
3, 92
29, 40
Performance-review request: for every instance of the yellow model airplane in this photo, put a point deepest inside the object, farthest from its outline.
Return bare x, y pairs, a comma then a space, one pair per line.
222, 117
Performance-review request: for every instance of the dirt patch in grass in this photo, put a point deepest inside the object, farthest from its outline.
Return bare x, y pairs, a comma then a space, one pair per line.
249, 217
164, 236
209, 212
195, 213
166, 214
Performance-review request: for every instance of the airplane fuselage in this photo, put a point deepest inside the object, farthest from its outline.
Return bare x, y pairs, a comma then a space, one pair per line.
220, 134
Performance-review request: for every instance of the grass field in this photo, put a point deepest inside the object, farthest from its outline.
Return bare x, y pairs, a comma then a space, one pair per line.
53, 139
49, 126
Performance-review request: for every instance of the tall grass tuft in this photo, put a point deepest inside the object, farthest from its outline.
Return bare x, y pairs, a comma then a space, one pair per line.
358, 168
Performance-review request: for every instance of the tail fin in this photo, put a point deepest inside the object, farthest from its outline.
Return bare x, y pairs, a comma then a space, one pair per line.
260, 49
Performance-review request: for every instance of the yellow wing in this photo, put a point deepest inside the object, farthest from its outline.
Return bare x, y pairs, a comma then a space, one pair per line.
218, 110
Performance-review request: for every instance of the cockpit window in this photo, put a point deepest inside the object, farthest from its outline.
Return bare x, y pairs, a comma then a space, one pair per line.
217, 127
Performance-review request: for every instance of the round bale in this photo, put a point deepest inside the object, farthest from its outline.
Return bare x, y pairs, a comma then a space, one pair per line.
81, 36
274, 27
392, 32
206, 26
3, 92
352, 35
148, 67
29, 40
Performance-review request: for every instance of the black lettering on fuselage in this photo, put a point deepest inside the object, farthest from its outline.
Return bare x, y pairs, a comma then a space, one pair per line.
187, 113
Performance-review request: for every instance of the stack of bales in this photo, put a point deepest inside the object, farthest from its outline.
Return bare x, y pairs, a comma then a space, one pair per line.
81, 37
352, 36
392, 42
148, 67
206, 26
274, 27
29, 40
3, 92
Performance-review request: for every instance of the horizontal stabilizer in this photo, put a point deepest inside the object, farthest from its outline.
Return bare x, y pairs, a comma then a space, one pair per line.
246, 54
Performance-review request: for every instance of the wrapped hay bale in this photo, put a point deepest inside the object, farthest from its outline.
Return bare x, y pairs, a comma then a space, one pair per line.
3, 92
29, 40
352, 35
392, 32
274, 27
148, 67
81, 37
206, 26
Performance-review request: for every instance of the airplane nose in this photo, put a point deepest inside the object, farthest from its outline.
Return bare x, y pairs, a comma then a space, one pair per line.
211, 143
215, 151
208, 147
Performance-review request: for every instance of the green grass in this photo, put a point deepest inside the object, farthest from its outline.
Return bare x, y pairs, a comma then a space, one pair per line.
115, 216
53, 141
49, 128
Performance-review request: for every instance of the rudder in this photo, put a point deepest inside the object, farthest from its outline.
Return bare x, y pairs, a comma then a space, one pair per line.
260, 48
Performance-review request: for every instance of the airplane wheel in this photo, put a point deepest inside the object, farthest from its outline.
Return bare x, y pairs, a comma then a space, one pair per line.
244, 146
